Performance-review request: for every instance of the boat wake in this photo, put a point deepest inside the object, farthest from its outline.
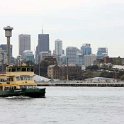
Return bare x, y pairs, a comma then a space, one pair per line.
17, 97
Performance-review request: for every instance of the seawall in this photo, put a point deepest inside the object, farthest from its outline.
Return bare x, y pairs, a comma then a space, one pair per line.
117, 84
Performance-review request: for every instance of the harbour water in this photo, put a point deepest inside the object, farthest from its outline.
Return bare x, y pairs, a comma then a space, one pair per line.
66, 105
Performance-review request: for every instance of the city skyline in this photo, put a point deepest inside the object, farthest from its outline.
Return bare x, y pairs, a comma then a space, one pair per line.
99, 23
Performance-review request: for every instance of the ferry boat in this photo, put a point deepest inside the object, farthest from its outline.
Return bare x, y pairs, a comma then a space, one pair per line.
18, 81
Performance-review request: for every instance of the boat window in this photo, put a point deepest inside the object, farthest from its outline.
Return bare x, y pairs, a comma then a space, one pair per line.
30, 86
24, 77
23, 69
21, 77
10, 79
31, 77
32, 69
13, 69
27, 77
18, 69
6, 88
1, 87
28, 69
18, 78
2, 80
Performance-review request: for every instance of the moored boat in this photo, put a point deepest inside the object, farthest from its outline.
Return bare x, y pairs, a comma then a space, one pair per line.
18, 81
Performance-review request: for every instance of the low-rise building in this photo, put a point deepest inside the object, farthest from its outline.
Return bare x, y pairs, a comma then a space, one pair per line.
64, 71
54, 71
89, 59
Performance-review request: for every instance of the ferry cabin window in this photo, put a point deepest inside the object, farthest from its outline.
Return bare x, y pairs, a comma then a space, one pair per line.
2, 80
13, 69
18, 69
23, 69
18, 78
25, 77
10, 79
21, 77
30, 69
1, 87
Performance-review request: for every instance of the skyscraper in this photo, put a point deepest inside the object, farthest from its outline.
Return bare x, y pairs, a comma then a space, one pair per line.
86, 49
43, 42
24, 43
58, 47
43, 45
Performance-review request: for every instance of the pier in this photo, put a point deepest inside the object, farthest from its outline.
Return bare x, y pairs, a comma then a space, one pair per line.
83, 84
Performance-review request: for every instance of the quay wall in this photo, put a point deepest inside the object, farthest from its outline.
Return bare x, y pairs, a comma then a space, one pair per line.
83, 84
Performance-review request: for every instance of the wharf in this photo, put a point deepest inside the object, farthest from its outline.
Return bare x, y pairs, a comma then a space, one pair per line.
83, 84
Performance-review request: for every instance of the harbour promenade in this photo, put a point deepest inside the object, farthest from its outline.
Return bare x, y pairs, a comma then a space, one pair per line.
83, 84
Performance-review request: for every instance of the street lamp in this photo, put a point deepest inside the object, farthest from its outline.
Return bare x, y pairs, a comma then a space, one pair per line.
8, 34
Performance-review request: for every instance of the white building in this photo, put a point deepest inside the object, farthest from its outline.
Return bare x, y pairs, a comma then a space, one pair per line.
71, 54
24, 43
89, 59
58, 50
58, 47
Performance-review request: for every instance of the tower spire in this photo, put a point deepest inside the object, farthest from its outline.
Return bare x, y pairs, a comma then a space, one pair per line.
42, 29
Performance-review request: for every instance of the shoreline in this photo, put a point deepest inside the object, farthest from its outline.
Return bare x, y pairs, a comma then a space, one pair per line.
117, 84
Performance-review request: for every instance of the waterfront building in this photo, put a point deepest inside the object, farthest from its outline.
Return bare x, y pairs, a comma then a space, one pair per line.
89, 59
71, 54
54, 72
60, 72
86, 49
74, 72
24, 43
102, 52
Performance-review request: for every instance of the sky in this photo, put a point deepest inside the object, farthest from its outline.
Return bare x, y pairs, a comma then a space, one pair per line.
75, 22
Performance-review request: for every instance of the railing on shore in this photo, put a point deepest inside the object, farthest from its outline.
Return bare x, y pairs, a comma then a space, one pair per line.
83, 84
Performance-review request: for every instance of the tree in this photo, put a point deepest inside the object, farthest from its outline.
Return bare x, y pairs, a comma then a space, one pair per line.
93, 67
